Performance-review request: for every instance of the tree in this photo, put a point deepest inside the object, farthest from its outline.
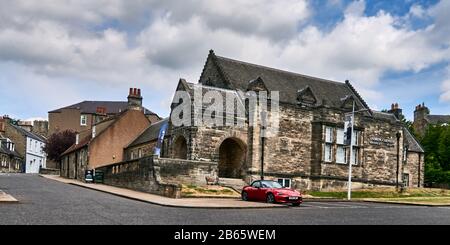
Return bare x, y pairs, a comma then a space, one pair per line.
436, 143
444, 149
58, 143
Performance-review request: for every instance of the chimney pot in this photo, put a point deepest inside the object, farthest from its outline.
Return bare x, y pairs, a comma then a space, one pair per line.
135, 99
131, 91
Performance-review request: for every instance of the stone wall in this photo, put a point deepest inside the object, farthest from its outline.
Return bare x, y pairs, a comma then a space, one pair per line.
20, 141
74, 164
186, 172
10, 164
49, 171
158, 175
40, 128
139, 151
290, 152
414, 169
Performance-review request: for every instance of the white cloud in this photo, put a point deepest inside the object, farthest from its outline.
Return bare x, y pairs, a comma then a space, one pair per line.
361, 49
417, 11
356, 8
95, 42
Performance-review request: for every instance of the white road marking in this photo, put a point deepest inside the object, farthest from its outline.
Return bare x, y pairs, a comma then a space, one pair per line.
345, 205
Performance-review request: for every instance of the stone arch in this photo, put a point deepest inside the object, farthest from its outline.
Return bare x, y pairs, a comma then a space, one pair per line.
180, 148
232, 156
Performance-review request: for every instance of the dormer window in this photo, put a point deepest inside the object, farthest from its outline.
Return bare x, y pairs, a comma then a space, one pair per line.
306, 97
256, 85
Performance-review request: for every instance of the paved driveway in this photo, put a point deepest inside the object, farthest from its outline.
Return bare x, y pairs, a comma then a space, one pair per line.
44, 201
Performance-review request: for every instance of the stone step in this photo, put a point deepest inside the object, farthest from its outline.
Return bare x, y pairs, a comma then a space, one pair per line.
236, 184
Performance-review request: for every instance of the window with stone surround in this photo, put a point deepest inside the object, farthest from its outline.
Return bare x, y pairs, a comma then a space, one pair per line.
342, 151
285, 182
405, 178
328, 148
356, 146
355, 159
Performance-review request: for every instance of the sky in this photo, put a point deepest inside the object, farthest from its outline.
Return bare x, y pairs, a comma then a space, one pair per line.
58, 53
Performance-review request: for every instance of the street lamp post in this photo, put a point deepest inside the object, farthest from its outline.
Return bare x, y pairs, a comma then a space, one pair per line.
263, 141
352, 122
399, 135
349, 190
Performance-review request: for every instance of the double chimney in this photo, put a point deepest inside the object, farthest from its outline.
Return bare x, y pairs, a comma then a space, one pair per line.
395, 109
135, 99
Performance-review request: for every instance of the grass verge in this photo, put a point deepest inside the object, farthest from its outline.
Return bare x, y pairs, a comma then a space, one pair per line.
207, 191
382, 193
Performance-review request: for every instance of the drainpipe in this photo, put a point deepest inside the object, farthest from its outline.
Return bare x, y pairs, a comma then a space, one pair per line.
398, 158
418, 171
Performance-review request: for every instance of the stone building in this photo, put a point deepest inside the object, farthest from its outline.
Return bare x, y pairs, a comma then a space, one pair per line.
27, 144
309, 150
82, 116
10, 159
104, 143
40, 127
423, 119
144, 145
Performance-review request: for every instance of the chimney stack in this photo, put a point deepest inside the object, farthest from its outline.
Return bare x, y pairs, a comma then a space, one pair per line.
135, 99
2, 124
395, 109
101, 110
421, 112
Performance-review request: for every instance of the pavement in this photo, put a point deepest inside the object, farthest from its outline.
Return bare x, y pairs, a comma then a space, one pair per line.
415, 201
5, 198
222, 203
47, 202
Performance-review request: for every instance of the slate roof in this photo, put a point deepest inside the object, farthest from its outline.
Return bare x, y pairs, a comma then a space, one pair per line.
384, 115
438, 119
81, 143
5, 150
238, 74
28, 134
149, 134
225, 94
90, 107
413, 143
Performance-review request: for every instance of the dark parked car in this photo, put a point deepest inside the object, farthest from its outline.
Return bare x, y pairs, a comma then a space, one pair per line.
271, 192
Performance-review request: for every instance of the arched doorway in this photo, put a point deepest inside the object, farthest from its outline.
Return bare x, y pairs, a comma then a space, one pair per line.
180, 148
231, 158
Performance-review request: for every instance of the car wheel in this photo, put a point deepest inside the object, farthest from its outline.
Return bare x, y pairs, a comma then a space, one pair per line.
244, 196
295, 204
270, 198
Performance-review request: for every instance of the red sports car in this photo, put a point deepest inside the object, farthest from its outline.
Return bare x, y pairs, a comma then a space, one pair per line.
271, 192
